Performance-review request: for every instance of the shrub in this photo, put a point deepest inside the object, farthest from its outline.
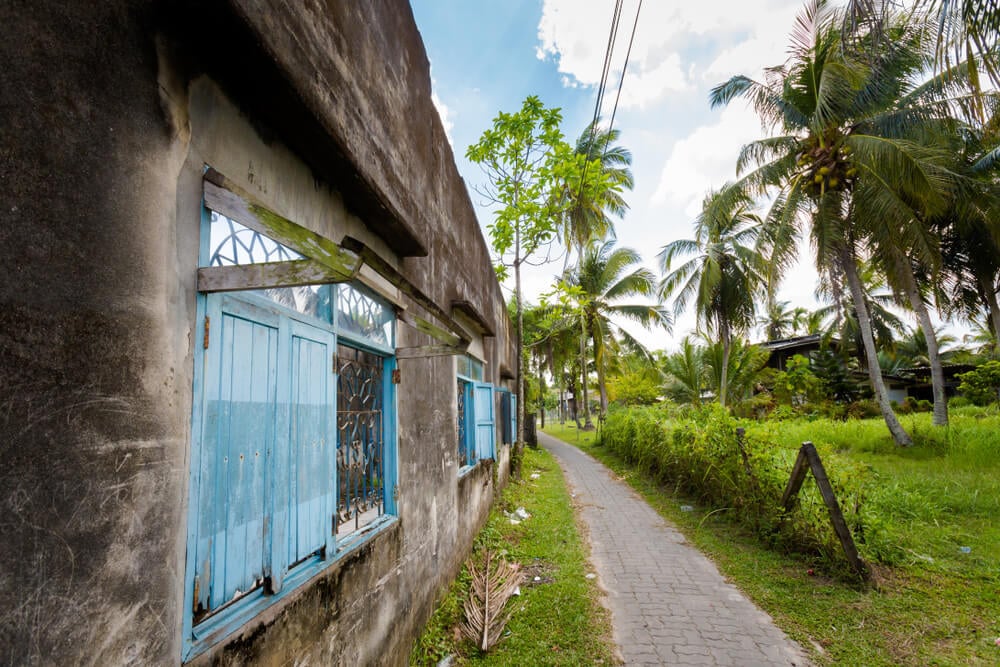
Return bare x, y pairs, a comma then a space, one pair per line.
699, 454
863, 409
958, 402
982, 384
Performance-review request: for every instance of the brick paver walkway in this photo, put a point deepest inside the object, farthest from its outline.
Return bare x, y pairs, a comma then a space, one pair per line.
669, 604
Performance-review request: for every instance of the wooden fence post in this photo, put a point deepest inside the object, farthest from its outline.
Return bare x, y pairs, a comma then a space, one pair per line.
808, 456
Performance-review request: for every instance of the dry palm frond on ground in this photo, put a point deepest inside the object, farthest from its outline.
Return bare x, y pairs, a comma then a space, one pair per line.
492, 585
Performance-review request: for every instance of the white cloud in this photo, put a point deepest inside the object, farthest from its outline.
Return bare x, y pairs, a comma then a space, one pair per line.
574, 34
445, 113
705, 159
670, 38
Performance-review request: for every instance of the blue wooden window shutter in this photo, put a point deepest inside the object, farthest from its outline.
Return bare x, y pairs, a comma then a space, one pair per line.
513, 418
485, 425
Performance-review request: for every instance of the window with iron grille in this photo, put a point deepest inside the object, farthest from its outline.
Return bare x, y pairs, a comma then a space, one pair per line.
293, 434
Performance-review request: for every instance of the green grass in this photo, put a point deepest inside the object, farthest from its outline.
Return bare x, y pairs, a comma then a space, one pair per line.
936, 606
558, 620
568, 432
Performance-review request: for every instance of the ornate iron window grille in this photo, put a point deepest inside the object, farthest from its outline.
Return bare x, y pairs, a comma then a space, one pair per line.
360, 438
364, 316
235, 244
463, 445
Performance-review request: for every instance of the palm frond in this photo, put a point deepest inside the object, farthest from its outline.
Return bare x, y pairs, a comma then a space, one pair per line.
492, 585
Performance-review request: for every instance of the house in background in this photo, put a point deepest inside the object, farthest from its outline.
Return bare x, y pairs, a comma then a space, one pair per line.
783, 349
250, 336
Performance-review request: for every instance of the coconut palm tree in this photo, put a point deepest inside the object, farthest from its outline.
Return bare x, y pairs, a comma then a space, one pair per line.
842, 317
741, 367
590, 215
779, 321
686, 372
725, 276
969, 241
911, 349
604, 277
966, 30
859, 162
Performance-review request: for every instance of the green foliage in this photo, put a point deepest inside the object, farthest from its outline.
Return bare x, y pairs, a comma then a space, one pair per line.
524, 158
981, 386
833, 375
686, 373
746, 361
699, 454
633, 388
527, 163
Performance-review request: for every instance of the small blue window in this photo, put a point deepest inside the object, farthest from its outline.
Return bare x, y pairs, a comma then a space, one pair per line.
507, 416
475, 413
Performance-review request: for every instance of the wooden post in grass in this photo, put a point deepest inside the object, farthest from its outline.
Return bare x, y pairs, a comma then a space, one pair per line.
809, 459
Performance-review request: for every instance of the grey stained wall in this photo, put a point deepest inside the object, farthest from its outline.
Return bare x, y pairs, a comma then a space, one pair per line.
108, 112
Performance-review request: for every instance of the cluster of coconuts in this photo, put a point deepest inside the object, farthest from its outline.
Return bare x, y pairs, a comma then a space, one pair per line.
826, 168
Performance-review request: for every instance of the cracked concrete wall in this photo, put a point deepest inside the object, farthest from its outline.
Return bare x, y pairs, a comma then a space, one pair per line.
107, 114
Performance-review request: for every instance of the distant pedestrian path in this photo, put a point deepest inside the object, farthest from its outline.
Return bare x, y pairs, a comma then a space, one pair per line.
669, 604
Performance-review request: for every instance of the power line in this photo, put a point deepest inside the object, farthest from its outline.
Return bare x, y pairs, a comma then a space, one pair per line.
621, 81
602, 86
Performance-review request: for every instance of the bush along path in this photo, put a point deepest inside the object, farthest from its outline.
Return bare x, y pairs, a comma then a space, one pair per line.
669, 604
557, 619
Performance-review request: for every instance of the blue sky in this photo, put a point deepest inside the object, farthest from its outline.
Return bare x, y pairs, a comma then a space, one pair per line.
488, 56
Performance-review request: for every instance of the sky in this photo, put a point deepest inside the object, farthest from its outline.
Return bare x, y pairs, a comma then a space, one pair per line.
486, 56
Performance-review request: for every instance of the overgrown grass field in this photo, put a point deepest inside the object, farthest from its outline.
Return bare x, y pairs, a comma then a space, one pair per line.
927, 519
558, 619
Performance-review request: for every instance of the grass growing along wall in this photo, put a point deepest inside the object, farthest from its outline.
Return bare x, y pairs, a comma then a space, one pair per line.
558, 619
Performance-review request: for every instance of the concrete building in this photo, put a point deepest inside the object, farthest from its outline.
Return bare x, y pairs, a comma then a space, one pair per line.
250, 338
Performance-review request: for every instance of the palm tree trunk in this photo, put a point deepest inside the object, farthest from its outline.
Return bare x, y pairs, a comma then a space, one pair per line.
599, 365
924, 320
518, 370
850, 269
990, 296
588, 424
576, 396
724, 378
541, 391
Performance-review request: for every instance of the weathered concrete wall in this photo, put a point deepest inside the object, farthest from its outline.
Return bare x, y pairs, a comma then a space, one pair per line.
107, 114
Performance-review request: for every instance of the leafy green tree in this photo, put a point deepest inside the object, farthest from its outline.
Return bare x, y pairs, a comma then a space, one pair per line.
833, 373
605, 276
726, 274
798, 384
633, 388
525, 160
571, 303
982, 386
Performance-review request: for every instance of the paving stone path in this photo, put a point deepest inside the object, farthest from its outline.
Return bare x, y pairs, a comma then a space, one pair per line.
669, 604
